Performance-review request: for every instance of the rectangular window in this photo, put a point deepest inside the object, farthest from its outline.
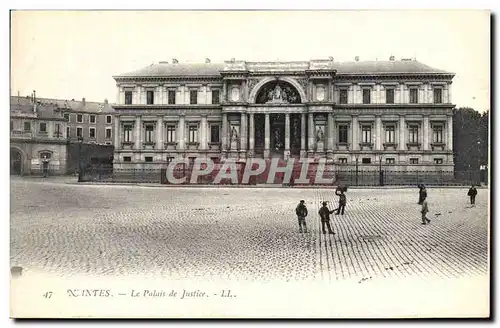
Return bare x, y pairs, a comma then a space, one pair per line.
366, 160
366, 133
58, 130
366, 96
66, 117
79, 132
27, 126
413, 132
193, 134
215, 97
413, 160
171, 97
214, 133
150, 97
127, 133
437, 134
11, 125
79, 118
414, 96
389, 96
108, 119
68, 134
108, 133
92, 119
343, 96
389, 134
149, 132
128, 97
343, 133
438, 95
43, 127
390, 161
92, 132
193, 97
127, 159
343, 160
438, 161
148, 159
171, 133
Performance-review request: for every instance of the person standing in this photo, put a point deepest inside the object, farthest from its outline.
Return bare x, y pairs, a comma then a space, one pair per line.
421, 194
472, 193
45, 166
324, 214
424, 211
301, 211
342, 201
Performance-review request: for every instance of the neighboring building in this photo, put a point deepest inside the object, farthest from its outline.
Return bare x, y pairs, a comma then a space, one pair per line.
392, 113
66, 119
37, 131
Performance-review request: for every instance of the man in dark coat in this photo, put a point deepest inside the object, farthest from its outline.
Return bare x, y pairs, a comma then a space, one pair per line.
324, 213
472, 193
342, 199
301, 211
422, 194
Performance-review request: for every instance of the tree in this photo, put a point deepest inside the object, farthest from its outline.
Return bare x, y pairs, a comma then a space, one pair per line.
470, 138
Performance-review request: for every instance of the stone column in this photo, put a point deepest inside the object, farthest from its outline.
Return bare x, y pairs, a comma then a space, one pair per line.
302, 134
287, 132
203, 134
138, 130
331, 132
251, 141
355, 133
243, 132
426, 133
402, 129
159, 133
449, 130
118, 95
224, 91
267, 135
117, 135
310, 147
181, 134
224, 132
378, 129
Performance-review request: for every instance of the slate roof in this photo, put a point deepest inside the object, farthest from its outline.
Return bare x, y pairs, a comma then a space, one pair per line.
47, 105
355, 67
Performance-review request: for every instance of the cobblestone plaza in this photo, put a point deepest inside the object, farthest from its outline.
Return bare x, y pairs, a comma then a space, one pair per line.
246, 234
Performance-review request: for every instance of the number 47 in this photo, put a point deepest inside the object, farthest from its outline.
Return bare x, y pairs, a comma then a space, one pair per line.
47, 295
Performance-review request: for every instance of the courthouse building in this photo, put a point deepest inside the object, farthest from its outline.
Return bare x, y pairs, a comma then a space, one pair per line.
396, 113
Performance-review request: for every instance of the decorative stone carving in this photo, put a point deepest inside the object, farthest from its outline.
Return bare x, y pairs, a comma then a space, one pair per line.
320, 93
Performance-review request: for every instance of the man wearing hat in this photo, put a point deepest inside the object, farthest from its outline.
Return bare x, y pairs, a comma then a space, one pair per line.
301, 211
324, 213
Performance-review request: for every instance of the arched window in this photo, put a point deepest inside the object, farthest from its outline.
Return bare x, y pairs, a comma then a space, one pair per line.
278, 92
46, 154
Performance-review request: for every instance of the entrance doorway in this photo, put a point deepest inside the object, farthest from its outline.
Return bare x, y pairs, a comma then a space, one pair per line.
277, 142
15, 162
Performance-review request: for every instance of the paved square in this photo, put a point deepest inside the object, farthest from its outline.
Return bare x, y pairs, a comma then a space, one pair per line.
244, 234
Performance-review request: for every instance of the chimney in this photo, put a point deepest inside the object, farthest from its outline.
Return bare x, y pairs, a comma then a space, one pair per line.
356, 58
34, 101
175, 61
207, 60
83, 101
105, 101
391, 58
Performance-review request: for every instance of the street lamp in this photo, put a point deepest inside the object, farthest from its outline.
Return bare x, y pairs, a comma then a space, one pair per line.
80, 175
357, 160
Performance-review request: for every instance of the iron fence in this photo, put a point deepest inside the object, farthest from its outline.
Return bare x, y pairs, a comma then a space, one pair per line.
296, 177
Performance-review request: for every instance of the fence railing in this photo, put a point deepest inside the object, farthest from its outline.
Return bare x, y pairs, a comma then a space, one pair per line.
295, 178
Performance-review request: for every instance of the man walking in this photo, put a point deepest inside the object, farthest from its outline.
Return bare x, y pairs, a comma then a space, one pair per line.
421, 194
301, 211
324, 213
472, 193
424, 211
342, 200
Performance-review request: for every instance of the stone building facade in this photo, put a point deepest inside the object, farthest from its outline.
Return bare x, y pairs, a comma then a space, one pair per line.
395, 113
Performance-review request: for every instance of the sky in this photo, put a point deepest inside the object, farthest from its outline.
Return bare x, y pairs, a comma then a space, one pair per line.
74, 54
